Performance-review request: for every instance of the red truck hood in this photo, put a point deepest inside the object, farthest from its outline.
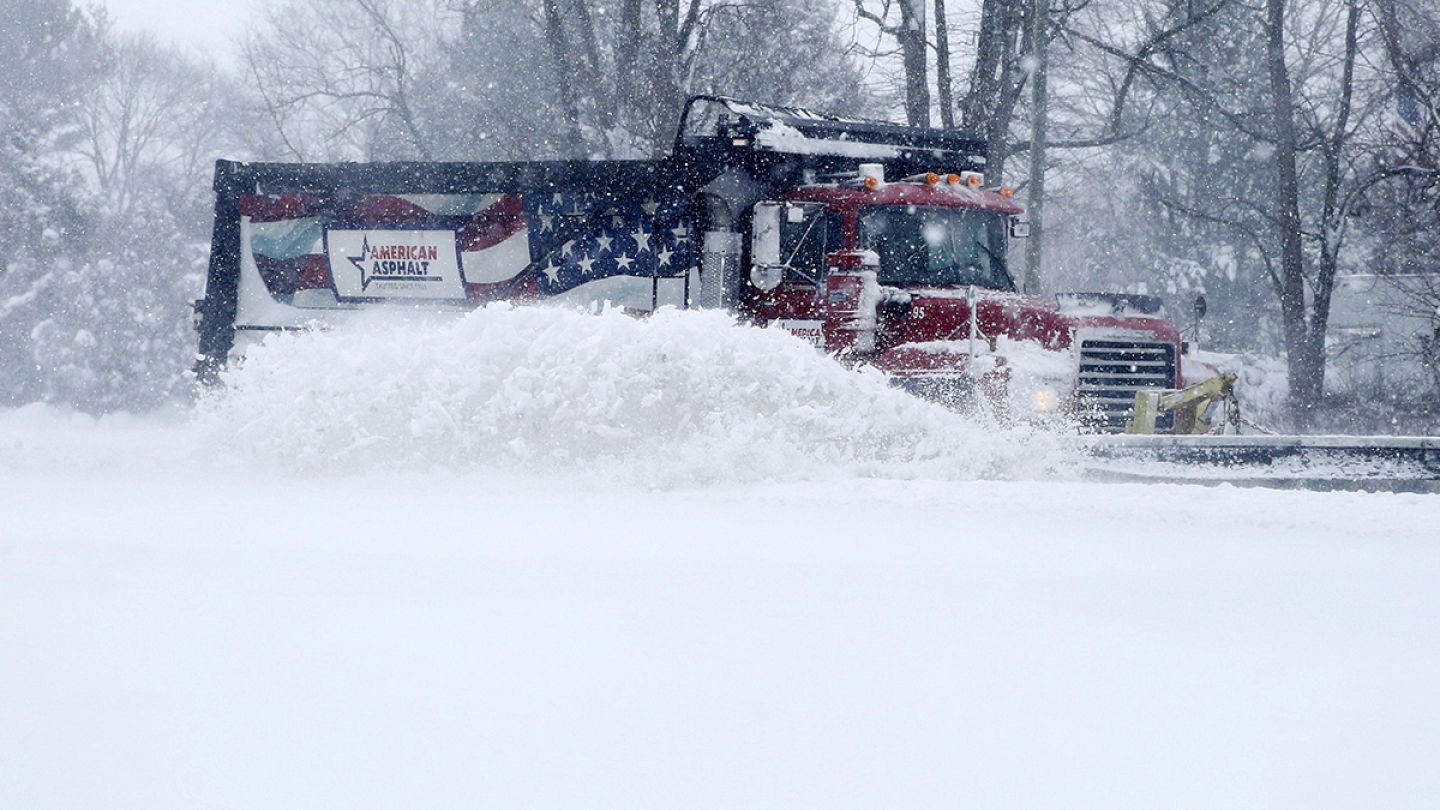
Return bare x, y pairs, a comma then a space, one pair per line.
940, 315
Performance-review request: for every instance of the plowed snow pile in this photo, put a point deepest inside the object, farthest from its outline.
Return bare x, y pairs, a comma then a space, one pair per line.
677, 398
335, 622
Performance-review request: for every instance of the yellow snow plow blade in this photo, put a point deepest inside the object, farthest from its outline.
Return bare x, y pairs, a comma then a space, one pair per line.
1189, 404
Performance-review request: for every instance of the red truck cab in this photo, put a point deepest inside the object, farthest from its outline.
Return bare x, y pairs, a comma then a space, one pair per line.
912, 277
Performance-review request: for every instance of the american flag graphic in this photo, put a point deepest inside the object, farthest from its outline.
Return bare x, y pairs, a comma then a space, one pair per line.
578, 238
569, 239
1405, 126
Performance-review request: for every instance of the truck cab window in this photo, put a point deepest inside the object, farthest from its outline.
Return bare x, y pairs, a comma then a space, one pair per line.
804, 242
921, 245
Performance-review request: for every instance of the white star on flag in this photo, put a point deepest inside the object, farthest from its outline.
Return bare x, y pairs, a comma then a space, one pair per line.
587, 238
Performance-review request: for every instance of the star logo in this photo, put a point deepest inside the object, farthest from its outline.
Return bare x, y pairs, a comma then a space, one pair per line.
359, 262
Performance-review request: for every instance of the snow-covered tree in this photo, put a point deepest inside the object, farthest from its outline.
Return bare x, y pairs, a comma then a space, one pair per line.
105, 218
117, 332
47, 62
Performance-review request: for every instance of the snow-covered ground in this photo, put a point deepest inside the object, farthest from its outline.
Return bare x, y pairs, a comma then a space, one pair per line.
388, 584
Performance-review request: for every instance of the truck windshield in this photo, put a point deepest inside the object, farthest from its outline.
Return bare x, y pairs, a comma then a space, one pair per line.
804, 241
944, 246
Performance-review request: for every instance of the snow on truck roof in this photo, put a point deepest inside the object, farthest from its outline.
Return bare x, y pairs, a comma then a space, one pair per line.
713, 132
798, 131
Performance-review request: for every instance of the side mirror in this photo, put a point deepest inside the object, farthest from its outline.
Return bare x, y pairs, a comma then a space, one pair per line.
1019, 229
1200, 307
765, 234
766, 272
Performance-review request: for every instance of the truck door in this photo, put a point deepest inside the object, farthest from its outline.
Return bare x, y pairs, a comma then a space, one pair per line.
788, 245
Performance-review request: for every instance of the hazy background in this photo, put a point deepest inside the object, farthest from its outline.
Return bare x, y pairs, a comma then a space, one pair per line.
206, 26
1163, 119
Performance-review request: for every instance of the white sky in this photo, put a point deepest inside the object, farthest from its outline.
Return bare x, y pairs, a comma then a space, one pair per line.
210, 26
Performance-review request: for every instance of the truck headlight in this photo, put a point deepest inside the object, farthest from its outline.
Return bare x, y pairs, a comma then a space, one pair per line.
1045, 400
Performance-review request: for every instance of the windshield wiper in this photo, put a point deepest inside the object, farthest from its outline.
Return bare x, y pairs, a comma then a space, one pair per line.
993, 258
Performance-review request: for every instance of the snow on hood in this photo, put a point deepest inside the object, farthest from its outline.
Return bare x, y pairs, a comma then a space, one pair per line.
1036, 360
676, 398
1105, 305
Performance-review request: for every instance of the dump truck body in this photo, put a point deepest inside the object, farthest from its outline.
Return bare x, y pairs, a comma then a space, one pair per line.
892, 253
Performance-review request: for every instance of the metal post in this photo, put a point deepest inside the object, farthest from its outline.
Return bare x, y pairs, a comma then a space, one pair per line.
218, 309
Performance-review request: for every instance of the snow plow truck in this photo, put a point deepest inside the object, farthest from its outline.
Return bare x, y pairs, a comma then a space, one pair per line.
877, 242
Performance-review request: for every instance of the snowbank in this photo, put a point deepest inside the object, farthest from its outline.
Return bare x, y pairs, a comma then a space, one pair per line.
175, 640
42, 439
177, 635
676, 398
1262, 388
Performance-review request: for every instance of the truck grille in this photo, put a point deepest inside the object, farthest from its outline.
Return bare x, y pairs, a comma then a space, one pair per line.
1112, 370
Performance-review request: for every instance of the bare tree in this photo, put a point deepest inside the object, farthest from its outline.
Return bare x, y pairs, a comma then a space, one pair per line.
1039, 140
997, 78
625, 67
643, 76
1303, 118
903, 21
944, 88
1304, 368
150, 128
337, 78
